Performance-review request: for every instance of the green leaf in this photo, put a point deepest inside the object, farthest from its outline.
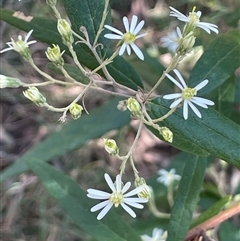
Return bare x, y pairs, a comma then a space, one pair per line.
88, 14
218, 62
213, 133
211, 211
229, 231
186, 198
46, 31
74, 201
72, 136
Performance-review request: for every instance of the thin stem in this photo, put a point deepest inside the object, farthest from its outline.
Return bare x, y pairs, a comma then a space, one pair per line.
170, 194
165, 116
70, 47
102, 22
214, 221
51, 80
153, 208
173, 64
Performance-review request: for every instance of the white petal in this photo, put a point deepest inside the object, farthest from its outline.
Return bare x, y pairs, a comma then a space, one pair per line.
203, 101
137, 51
180, 78
174, 81
195, 101
128, 49
185, 109
201, 85
172, 96
133, 23
99, 206
113, 29
112, 36
97, 197
126, 187
104, 211
133, 192
5, 50
109, 182
179, 32
176, 103
134, 204
194, 108
129, 210
162, 172
98, 192
139, 27
141, 35
28, 35
135, 200
122, 49
118, 183
126, 24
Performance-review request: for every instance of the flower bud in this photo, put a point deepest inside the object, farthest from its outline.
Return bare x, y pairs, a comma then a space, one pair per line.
75, 110
9, 82
134, 107
122, 105
51, 3
111, 146
33, 94
65, 30
54, 54
188, 42
145, 193
167, 134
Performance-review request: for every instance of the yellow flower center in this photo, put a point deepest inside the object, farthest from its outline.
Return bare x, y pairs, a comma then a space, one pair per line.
129, 38
188, 93
116, 199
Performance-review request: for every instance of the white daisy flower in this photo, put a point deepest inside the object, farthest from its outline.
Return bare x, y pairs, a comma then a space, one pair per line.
20, 45
118, 196
129, 37
168, 177
194, 20
187, 96
157, 235
172, 40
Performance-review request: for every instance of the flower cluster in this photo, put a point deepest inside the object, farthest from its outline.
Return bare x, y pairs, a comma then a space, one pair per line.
118, 196
176, 41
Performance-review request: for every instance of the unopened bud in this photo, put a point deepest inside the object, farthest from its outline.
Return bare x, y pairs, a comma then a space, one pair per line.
111, 146
54, 54
145, 193
65, 30
9, 82
167, 134
122, 105
75, 110
134, 107
33, 94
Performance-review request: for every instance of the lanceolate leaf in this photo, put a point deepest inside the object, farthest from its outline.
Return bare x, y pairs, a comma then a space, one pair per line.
218, 62
72, 136
73, 199
214, 133
186, 198
46, 31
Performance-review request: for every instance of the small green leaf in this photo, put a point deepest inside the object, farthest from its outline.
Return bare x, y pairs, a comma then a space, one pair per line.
211, 211
186, 198
218, 62
213, 133
74, 201
72, 136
